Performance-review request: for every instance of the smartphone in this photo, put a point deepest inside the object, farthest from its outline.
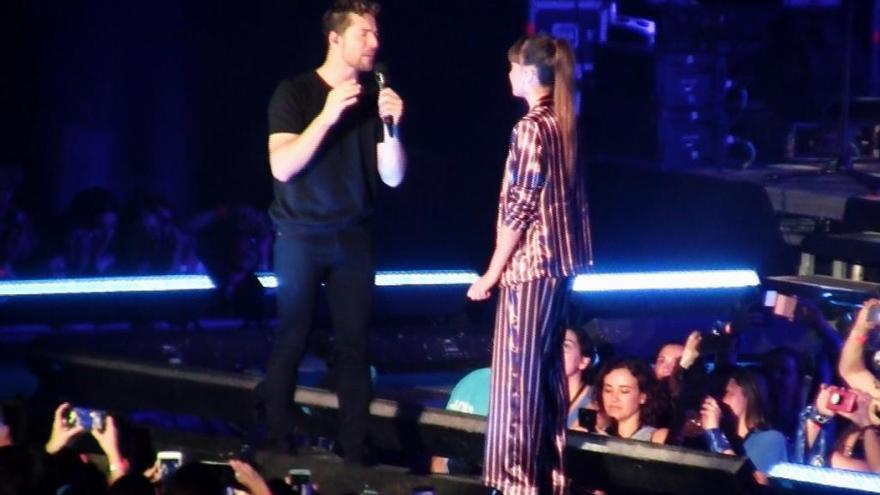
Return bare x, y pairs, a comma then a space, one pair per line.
169, 461
874, 314
89, 419
785, 306
587, 419
841, 400
781, 304
770, 298
300, 481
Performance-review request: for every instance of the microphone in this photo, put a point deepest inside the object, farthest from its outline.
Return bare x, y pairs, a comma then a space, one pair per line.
380, 72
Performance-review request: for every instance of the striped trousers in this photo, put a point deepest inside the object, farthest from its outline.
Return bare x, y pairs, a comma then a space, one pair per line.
525, 433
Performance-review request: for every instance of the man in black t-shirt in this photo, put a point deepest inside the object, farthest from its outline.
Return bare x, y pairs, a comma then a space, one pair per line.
328, 149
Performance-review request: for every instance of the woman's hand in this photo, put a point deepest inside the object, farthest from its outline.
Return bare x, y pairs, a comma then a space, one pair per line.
862, 325
710, 414
481, 289
861, 416
825, 392
691, 349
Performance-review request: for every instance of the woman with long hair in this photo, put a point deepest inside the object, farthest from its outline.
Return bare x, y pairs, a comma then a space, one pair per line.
542, 241
748, 432
579, 358
630, 399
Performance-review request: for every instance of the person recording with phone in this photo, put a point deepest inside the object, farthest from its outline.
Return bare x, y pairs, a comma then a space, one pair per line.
857, 448
67, 470
853, 410
328, 151
744, 429
852, 360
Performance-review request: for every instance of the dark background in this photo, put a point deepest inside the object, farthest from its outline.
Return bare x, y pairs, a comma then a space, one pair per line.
170, 97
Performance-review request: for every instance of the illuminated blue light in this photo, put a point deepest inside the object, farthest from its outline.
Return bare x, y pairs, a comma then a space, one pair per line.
160, 283
400, 279
451, 277
606, 282
834, 478
700, 279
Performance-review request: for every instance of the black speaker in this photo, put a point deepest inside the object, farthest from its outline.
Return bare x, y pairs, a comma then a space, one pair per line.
628, 466
662, 109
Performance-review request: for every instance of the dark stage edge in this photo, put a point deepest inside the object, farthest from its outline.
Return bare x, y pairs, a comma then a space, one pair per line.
411, 433
329, 473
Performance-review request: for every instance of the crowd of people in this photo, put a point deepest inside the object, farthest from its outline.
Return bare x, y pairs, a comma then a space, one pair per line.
97, 235
769, 411
787, 406
91, 456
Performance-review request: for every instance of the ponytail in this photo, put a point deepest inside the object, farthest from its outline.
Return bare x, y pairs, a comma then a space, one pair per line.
554, 60
563, 102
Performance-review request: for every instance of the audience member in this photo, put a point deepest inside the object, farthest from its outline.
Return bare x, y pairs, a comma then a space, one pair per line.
578, 358
747, 431
629, 398
857, 448
785, 386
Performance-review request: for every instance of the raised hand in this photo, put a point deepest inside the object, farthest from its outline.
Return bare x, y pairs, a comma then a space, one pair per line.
62, 433
861, 416
863, 325
691, 349
390, 105
825, 392
108, 438
339, 98
710, 414
249, 478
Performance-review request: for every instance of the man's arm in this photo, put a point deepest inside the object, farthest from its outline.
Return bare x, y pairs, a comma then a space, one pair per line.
390, 155
289, 153
391, 160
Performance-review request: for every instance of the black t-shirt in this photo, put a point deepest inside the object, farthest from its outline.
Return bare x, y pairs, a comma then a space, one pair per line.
337, 188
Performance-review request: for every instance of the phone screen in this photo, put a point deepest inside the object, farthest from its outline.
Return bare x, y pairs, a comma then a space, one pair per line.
169, 461
770, 298
785, 306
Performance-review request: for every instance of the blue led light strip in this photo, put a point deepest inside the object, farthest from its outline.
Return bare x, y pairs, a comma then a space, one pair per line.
606, 282
834, 478
700, 279
400, 279
161, 283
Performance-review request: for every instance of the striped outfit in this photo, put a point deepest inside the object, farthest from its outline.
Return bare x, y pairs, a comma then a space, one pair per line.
528, 406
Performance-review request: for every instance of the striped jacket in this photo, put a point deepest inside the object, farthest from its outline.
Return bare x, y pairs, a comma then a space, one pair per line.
539, 198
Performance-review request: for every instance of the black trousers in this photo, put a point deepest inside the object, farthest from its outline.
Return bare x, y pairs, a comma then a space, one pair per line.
343, 261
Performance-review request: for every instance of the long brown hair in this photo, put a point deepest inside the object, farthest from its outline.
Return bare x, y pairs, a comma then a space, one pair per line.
754, 388
554, 60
